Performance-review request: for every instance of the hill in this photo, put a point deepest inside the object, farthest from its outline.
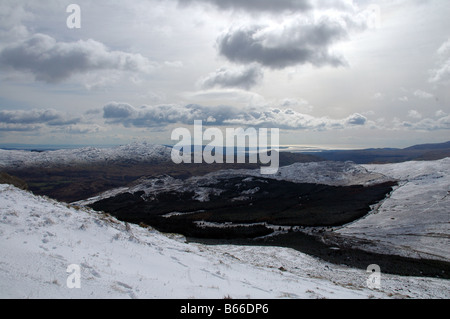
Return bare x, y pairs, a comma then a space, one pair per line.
424, 152
40, 238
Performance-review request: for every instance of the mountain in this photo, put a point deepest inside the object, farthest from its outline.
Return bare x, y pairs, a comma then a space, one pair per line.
41, 238
427, 147
74, 174
387, 155
306, 194
393, 210
413, 220
136, 152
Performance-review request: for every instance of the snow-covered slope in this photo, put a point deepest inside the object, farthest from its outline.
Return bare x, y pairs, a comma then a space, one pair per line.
40, 238
135, 152
415, 220
327, 173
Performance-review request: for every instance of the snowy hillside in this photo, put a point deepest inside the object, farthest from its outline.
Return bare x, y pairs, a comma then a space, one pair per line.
40, 238
327, 173
135, 152
415, 220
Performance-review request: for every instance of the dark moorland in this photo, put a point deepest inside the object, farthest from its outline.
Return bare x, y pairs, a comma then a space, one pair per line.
77, 182
276, 202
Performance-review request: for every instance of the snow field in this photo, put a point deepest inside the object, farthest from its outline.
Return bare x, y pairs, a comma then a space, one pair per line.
41, 237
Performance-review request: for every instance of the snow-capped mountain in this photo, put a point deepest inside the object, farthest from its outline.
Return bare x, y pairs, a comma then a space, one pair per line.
130, 152
41, 238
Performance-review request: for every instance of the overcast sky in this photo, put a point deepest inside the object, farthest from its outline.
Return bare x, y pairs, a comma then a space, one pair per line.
334, 73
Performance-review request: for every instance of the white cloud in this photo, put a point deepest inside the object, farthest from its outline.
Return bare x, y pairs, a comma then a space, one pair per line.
414, 114
244, 78
293, 42
84, 129
440, 113
378, 96
52, 61
423, 95
300, 105
49, 117
423, 124
154, 116
441, 74
257, 5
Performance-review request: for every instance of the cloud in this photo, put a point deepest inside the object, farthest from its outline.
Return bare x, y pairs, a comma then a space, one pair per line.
49, 117
440, 113
52, 61
83, 129
243, 78
299, 104
441, 74
293, 42
423, 95
161, 115
276, 7
378, 96
117, 110
426, 124
257, 5
8, 127
414, 114
356, 119
153, 116
36, 120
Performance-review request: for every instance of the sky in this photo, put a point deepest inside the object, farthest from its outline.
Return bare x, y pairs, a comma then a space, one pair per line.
337, 73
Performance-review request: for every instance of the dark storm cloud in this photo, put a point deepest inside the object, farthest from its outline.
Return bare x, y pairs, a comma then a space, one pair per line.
52, 61
286, 45
243, 78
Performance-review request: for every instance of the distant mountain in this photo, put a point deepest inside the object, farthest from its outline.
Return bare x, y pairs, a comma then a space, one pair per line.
437, 146
74, 174
424, 152
136, 152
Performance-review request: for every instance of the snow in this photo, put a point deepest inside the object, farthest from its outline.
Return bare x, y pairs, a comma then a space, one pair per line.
414, 220
40, 238
327, 173
134, 152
